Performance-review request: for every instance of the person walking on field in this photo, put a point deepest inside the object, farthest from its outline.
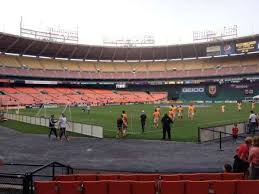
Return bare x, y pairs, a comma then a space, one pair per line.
119, 127
52, 128
156, 117
180, 112
191, 111
125, 123
62, 125
88, 108
143, 118
166, 123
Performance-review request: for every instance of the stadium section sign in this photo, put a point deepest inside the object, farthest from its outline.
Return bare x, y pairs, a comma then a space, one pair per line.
193, 90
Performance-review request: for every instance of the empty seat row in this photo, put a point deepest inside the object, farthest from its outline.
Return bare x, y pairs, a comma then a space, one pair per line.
151, 177
148, 187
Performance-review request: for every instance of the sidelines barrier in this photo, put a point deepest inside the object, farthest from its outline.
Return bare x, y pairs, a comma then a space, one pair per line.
206, 134
85, 129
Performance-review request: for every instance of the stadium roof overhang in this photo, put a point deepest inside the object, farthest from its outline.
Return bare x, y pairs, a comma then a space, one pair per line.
41, 48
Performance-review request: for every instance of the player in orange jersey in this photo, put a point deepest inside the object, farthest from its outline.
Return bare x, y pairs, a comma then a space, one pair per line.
171, 113
223, 108
191, 111
239, 106
174, 112
180, 112
125, 123
156, 116
253, 105
159, 110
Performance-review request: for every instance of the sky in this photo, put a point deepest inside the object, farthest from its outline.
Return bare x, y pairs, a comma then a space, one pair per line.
169, 21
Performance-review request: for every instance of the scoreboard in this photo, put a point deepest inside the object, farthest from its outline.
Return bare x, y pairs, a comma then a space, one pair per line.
245, 47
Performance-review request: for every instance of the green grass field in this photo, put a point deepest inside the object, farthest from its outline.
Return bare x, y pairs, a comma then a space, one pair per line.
183, 130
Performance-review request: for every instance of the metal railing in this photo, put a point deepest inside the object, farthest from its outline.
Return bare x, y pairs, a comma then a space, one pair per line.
211, 133
22, 183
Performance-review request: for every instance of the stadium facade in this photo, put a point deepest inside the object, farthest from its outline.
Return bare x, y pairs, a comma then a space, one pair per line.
225, 70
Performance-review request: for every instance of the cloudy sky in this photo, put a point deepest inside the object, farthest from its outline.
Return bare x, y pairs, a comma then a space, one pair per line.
169, 21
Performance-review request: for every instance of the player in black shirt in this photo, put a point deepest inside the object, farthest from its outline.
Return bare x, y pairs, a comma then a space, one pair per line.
52, 127
119, 126
143, 118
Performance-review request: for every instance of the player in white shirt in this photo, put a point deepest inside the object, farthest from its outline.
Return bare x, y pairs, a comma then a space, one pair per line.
252, 122
62, 125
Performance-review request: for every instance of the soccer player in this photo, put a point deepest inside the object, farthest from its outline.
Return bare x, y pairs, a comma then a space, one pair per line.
170, 112
125, 123
180, 112
143, 118
223, 108
239, 106
119, 127
88, 108
191, 110
159, 109
253, 105
156, 116
63, 124
174, 112
52, 127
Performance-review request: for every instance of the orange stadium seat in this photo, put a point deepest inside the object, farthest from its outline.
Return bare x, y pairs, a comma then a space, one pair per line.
131, 177
48, 187
107, 177
172, 187
119, 187
248, 187
148, 177
223, 187
232, 176
70, 187
191, 177
144, 187
171, 177
85, 177
210, 176
96, 187
197, 187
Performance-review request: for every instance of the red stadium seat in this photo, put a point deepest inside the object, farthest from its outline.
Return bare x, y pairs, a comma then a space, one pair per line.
65, 178
95, 187
172, 177
143, 187
190, 177
48, 187
119, 187
86, 177
223, 187
131, 177
197, 187
248, 187
210, 176
148, 177
107, 177
70, 187
172, 187
232, 176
